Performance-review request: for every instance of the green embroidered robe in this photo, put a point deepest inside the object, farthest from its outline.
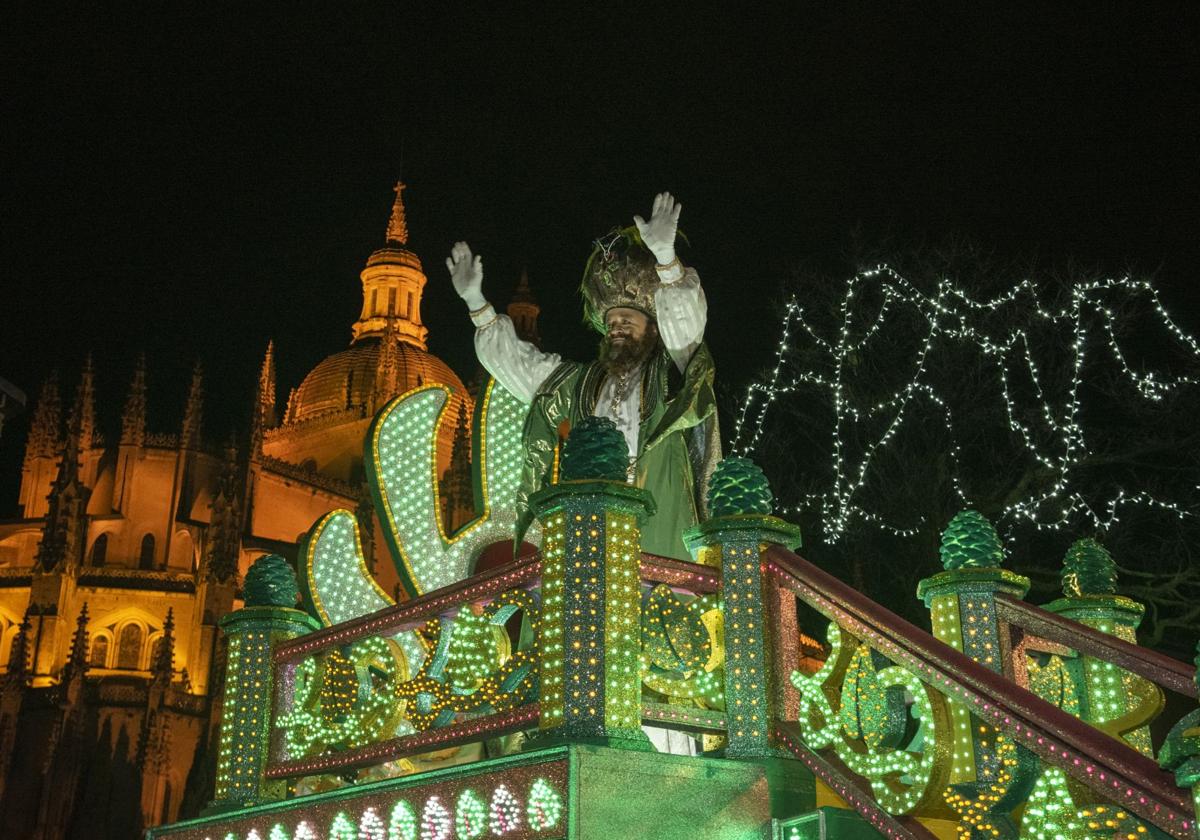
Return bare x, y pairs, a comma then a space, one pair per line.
678, 444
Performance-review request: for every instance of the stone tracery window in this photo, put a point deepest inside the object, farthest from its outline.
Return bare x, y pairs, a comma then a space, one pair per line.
98, 655
129, 647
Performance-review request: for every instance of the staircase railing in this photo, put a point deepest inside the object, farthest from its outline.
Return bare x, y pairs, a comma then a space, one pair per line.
1012, 723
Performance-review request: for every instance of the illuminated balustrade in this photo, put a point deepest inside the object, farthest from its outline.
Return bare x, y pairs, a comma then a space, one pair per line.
591, 596
349, 699
760, 633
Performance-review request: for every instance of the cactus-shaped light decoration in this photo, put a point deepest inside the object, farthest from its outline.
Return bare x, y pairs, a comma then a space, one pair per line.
401, 459
595, 449
739, 487
270, 582
1088, 569
970, 542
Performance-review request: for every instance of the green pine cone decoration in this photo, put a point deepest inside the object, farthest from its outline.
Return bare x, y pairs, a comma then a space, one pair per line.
270, 582
595, 449
738, 487
970, 542
1088, 569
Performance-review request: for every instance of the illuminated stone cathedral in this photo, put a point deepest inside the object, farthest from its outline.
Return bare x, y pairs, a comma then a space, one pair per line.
129, 549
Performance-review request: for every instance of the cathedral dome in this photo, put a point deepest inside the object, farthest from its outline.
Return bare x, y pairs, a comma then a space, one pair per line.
395, 255
327, 415
347, 380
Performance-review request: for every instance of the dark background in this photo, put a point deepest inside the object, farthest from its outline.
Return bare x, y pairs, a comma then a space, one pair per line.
191, 184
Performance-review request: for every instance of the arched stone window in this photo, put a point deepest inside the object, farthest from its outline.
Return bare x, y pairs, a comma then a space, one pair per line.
129, 647
98, 655
146, 558
100, 550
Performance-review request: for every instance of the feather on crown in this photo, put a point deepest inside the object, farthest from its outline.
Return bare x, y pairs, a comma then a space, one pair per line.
620, 273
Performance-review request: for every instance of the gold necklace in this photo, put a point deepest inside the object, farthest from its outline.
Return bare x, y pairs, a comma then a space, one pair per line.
620, 392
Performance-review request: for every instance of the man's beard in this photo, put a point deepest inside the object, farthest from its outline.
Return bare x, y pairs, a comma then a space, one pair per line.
629, 354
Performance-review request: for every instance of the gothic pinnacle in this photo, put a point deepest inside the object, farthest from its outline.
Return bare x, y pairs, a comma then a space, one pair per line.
133, 418
44, 434
397, 229
266, 387
77, 662
83, 412
194, 409
164, 662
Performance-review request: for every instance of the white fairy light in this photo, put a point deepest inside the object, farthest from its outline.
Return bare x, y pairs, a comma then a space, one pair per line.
1056, 441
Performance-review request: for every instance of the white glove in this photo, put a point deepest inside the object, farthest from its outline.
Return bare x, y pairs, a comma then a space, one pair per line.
659, 232
467, 274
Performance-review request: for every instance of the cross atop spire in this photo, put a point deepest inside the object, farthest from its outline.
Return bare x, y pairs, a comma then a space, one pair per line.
397, 229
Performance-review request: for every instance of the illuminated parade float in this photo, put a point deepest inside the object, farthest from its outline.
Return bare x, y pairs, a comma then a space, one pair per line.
511, 702
588, 686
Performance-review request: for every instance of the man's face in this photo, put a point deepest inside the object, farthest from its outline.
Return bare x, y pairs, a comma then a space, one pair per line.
630, 339
624, 325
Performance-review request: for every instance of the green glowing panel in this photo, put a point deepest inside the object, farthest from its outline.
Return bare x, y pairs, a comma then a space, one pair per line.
401, 455
336, 582
402, 460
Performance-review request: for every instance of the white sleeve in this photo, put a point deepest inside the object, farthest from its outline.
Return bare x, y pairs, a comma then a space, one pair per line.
682, 314
517, 365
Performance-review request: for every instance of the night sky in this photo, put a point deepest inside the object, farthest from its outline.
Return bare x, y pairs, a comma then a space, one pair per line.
194, 183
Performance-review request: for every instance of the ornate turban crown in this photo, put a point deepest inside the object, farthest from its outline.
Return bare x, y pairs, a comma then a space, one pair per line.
619, 273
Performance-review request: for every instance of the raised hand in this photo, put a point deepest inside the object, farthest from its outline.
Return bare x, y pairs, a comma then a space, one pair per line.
659, 232
466, 272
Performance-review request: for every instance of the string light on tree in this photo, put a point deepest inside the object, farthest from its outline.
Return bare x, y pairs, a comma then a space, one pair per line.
1055, 442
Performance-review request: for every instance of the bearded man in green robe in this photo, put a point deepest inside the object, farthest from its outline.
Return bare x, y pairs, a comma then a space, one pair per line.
653, 377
